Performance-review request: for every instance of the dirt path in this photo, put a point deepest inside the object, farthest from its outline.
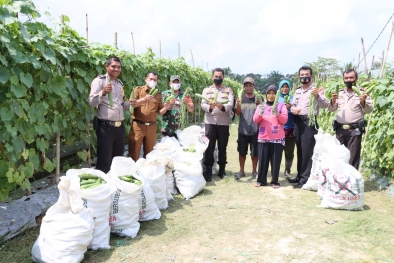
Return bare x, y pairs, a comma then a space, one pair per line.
232, 221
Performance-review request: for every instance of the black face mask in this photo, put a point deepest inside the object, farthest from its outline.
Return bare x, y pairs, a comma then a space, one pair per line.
218, 81
350, 84
305, 80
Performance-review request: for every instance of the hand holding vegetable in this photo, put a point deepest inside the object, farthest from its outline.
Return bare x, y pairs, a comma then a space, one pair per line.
262, 108
275, 109
212, 105
315, 92
219, 106
363, 97
334, 97
107, 89
149, 98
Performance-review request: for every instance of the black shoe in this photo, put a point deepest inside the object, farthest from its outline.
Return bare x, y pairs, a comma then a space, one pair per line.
222, 171
222, 174
208, 174
293, 180
298, 185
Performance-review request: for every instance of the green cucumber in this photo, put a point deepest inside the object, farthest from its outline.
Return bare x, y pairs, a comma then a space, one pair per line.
88, 176
201, 97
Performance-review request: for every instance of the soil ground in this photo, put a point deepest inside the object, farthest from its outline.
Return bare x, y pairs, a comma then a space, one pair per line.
232, 221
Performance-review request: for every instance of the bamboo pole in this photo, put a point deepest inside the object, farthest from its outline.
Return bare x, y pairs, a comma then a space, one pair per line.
380, 76
365, 57
87, 31
192, 57
358, 63
132, 38
116, 40
381, 62
179, 50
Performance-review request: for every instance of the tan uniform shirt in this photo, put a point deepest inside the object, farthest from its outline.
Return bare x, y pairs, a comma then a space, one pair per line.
97, 100
349, 107
301, 101
147, 112
217, 116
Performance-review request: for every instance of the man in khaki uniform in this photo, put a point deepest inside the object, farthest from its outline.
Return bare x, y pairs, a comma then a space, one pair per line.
349, 124
143, 130
108, 123
304, 127
217, 121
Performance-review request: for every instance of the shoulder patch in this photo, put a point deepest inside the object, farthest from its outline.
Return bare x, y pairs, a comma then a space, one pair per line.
101, 76
121, 83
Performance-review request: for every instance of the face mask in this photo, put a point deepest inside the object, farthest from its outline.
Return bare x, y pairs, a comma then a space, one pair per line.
176, 86
151, 84
350, 84
305, 80
218, 81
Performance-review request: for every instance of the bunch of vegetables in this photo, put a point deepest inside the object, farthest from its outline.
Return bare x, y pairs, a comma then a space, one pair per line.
190, 149
90, 181
183, 110
153, 91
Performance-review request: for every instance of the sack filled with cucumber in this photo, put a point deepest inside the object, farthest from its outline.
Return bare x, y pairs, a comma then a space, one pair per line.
96, 190
125, 208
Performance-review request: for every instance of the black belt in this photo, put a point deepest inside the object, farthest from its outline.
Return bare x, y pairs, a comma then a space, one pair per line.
112, 123
145, 123
349, 126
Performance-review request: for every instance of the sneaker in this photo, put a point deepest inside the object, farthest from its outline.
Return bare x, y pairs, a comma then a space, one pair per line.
239, 175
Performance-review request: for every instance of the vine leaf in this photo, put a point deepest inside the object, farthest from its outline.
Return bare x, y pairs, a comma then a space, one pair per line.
26, 79
4, 75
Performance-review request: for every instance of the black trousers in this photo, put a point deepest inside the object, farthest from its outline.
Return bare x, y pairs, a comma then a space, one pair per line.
269, 153
219, 133
110, 143
353, 143
305, 140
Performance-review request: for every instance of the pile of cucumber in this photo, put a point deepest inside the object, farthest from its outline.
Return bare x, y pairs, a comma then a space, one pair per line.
130, 179
89, 181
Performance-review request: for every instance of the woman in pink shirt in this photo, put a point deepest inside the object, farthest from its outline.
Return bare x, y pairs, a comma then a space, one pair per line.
271, 137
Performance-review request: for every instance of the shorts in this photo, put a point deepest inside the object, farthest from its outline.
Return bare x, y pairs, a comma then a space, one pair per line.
243, 142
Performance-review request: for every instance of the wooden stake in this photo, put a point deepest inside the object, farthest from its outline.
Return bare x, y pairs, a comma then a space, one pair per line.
207, 67
57, 174
358, 63
373, 57
381, 62
132, 38
365, 58
160, 48
192, 57
87, 31
179, 50
116, 40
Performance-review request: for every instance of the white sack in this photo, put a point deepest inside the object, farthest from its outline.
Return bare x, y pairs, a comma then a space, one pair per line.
148, 207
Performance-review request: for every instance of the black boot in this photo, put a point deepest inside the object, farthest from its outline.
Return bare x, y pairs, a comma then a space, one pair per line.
208, 173
222, 173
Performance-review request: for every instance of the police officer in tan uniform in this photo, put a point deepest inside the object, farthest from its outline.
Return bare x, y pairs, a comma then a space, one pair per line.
217, 121
349, 124
143, 130
305, 128
108, 123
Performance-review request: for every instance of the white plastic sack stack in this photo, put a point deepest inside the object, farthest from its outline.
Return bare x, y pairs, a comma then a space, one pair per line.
66, 229
188, 176
345, 187
148, 207
99, 199
154, 172
125, 206
168, 163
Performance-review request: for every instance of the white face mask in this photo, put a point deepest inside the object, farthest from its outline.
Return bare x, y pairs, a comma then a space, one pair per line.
176, 86
151, 84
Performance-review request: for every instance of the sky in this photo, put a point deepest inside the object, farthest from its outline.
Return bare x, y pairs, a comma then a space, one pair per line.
249, 36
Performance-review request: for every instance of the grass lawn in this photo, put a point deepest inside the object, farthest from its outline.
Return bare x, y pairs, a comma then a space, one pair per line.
232, 221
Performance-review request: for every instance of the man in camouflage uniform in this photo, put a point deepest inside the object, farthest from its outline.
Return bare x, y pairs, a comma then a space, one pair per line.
171, 119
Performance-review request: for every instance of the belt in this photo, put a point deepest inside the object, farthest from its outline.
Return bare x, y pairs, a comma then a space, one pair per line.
112, 123
145, 123
349, 126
